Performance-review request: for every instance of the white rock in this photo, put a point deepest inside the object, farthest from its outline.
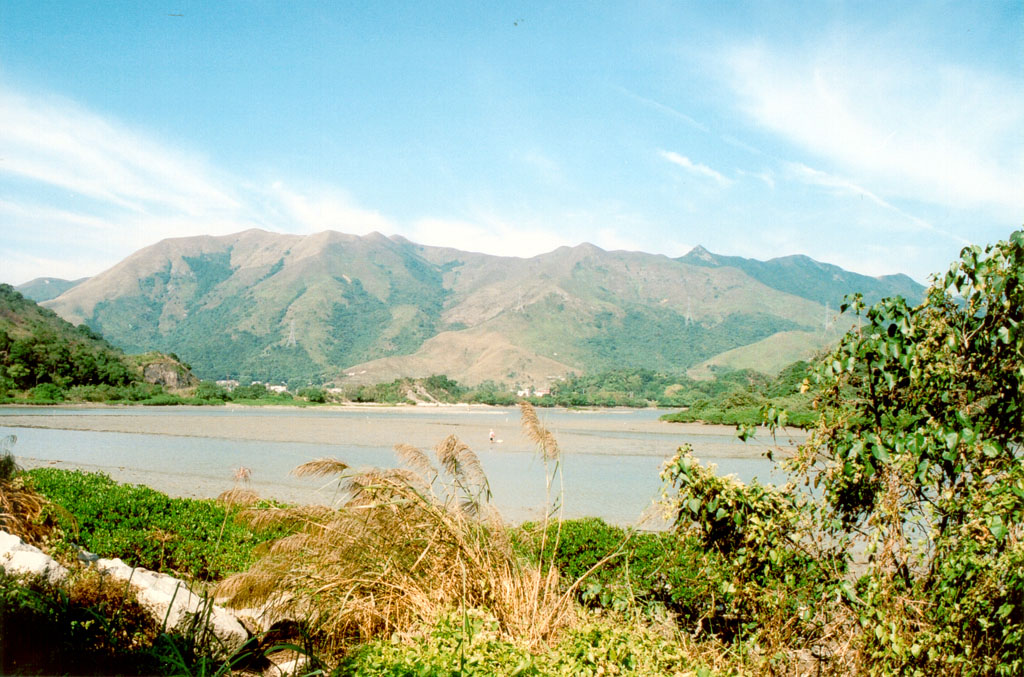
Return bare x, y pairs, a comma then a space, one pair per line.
175, 606
18, 557
167, 598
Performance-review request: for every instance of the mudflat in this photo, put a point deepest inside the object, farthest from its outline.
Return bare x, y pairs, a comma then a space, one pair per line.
600, 431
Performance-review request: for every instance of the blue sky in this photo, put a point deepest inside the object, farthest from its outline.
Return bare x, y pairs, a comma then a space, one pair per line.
881, 137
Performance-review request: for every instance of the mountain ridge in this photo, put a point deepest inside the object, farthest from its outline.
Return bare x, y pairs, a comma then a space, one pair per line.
794, 273
317, 307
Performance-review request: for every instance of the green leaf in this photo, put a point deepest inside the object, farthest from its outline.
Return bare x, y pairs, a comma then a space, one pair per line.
998, 529
879, 452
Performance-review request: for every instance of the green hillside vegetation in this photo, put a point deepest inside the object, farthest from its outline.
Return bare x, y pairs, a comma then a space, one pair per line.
44, 359
637, 388
740, 397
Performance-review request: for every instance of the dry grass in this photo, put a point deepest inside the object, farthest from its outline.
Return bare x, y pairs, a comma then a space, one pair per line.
21, 508
405, 546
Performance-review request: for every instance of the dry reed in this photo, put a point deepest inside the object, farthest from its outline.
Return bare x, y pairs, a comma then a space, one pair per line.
405, 546
21, 508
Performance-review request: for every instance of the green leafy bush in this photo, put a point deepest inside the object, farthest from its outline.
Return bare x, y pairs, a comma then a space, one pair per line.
46, 393
471, 644
190, 537
918, 455
211, 392
313, 394
637, 572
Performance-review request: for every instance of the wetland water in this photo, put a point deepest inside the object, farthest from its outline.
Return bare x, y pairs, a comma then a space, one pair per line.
611, 457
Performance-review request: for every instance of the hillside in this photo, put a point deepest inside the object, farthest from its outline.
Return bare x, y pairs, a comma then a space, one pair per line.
46, 288
345, 308
803, 276
39, 348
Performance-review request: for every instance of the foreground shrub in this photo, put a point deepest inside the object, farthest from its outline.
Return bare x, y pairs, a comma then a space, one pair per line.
649, 574
46, 393
87, 625
473, 644
918, 453
916, 458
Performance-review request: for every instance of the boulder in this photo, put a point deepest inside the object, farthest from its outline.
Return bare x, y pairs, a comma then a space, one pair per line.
168, 373
175, 605
17, 557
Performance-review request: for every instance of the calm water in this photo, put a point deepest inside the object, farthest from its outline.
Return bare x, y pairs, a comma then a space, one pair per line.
611, 458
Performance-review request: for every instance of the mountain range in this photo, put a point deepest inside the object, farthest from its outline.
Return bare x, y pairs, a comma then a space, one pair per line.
340, 308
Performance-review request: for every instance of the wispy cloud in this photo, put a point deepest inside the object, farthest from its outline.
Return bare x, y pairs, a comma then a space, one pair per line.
108, 189
328, 208
815, 177
936, 133
545, 167
694, 167
664, 108
767, 176
57, 143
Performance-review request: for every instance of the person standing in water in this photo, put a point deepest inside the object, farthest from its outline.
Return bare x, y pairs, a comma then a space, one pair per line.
491, 436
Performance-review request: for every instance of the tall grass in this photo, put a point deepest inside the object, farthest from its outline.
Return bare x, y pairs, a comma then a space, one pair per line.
403, 547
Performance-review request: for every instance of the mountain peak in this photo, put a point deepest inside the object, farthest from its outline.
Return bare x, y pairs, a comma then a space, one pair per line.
701, 254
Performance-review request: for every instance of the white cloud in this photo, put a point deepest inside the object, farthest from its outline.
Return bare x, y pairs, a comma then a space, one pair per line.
694, 167
905, 126
767, 176
549, 170
815, 177
57, 143
328, 209
491, 236
96, 190
612, 239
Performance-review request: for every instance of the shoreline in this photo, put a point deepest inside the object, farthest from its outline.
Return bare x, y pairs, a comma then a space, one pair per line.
594, 432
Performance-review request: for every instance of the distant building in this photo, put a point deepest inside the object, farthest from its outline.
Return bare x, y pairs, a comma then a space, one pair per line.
228, 384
